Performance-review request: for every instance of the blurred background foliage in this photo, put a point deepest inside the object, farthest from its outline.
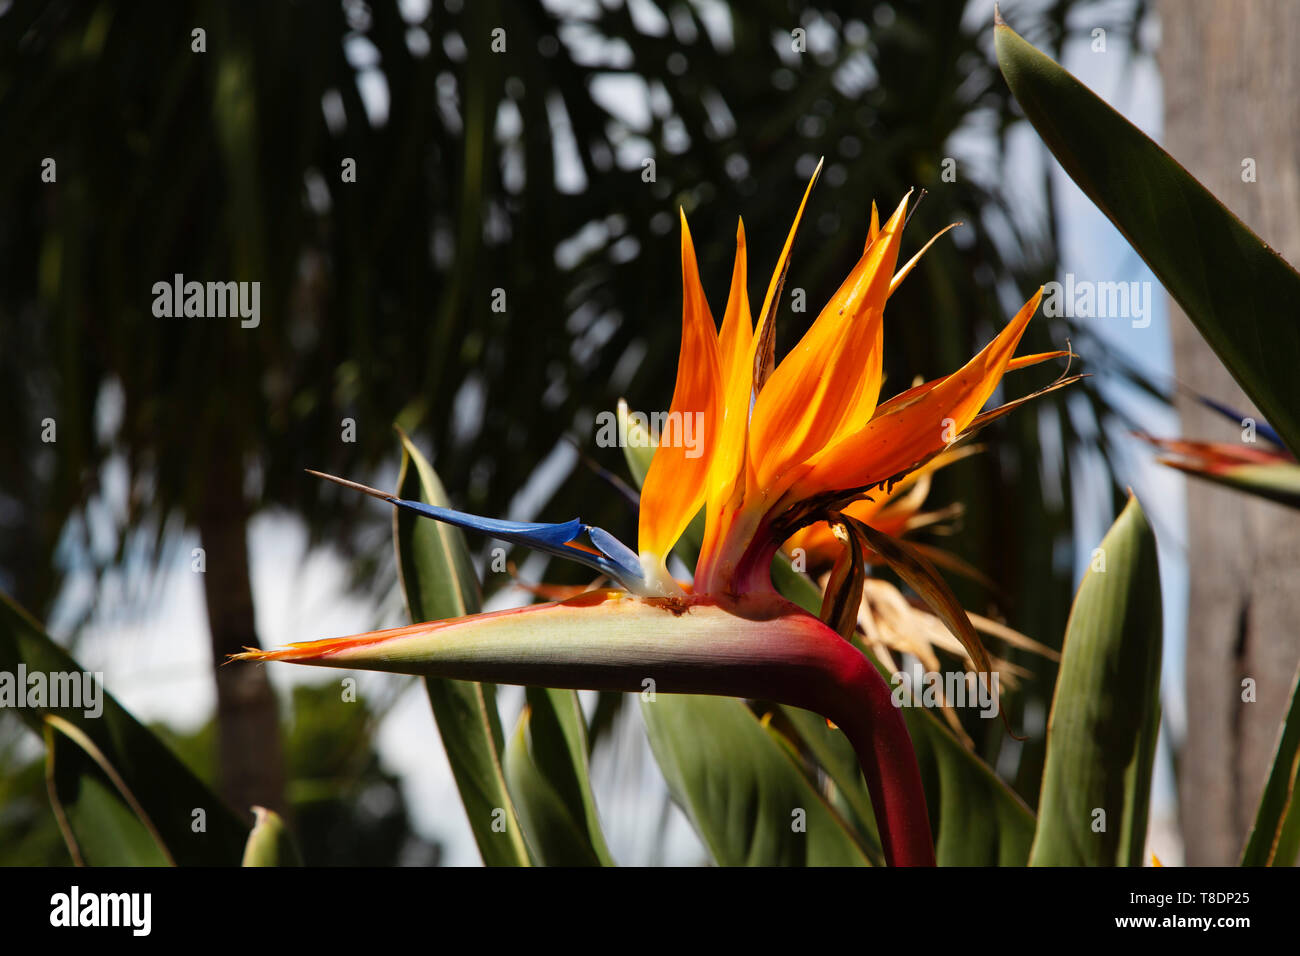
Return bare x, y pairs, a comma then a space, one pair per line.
347, 810
478, 170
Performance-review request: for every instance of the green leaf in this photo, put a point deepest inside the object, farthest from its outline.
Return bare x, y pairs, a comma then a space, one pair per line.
1238, 292
546, 768
976, 818
95, 809
1275, 837
743, 789
439, 582
795, 585
1101, 734
99, 817
270, 843
834, 754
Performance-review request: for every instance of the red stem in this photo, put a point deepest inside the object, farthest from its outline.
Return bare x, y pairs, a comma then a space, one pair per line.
829, 676
879, 736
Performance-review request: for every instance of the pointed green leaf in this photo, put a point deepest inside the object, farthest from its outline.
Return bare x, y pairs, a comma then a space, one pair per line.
94, 808
977, 819
439, 582
834, 753
1101, 734
742, 790
1275, 837
546, 768
1238, 292
99, 817
270, 843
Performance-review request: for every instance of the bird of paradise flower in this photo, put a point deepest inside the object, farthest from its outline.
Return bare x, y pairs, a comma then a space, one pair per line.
785, 445
1268, 470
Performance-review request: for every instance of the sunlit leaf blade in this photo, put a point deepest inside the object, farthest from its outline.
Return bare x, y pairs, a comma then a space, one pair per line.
160, 783
1275, 837
546, 769
438, 580
1238, 292
270, 843
1101, 735
741, 789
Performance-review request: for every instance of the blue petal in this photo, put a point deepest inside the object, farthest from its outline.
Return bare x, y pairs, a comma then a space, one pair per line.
615, 559
1263, 429
615, 550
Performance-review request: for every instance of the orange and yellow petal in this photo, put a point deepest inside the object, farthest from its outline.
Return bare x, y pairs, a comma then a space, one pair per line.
676, 483
920, 422
735, 346
833, 373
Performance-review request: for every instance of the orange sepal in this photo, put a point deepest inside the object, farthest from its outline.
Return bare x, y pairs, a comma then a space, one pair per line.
675, 485
916, 424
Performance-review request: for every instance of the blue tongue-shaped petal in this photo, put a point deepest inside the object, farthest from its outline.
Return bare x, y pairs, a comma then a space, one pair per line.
611, 557
1262, 428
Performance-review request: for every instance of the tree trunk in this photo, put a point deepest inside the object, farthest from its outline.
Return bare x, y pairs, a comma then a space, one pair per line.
250, 753
1232, 81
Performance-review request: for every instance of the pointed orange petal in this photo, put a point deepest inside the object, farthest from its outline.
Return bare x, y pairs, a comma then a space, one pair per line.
917, 423
911, 263
834, 371
674, 486
892, 511
765, 334
738, 323
874, 229
1025, 361
735, 342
